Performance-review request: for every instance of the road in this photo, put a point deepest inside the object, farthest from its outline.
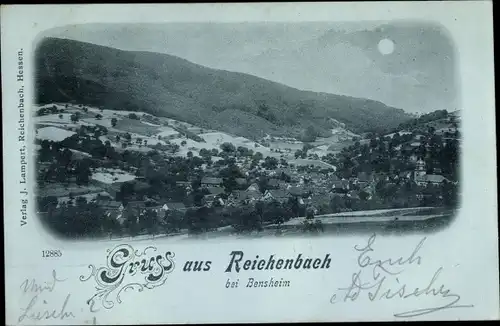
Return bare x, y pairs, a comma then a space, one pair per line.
356, 221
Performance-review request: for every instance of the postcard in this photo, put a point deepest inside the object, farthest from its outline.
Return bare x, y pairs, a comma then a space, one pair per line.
249, 163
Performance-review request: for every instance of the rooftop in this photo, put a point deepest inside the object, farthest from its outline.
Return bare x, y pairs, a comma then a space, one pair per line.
211, 180
174, 206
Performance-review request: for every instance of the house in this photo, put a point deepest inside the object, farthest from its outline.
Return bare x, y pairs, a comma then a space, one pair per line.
174, 206
421, 178
434, 179
407, 149
320, 199
241, 181
340, 186
132, 209
244, 196
353, 194
140, 186
421, 196
313, 163
370, 190
315, 177
109, 205
442, 131
312, 208
279, 195
113, 189
282, 184
298, 192
365, 177
419, 137
333, 177
214, 192
413, 158
405, 175
159, 210
273, 183
287, 171
322, 189
253, 187
136, 206
211, 182
217, 202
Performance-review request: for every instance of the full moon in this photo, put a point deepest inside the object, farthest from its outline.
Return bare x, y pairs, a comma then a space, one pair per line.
386, 46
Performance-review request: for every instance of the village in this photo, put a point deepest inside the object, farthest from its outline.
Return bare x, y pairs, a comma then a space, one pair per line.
126, 173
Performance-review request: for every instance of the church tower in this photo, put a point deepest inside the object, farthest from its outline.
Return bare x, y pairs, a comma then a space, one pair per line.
420, 169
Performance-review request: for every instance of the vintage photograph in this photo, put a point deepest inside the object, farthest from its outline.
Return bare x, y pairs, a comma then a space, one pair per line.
206, 130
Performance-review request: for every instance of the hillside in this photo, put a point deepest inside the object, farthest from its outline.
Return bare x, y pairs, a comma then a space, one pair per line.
440, 120
168, 86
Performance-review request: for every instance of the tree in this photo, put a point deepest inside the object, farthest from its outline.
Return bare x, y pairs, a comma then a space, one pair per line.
363, 195
449, 193
130, 222
258, 156
310, 214
147, 221
337, 204
243, 151
205, 153
310, 134
98, 116
228, 147
46, 204
74, 118
82, 172
263, 184
270, 163
60, 116
114, 121
183, 143
133, 116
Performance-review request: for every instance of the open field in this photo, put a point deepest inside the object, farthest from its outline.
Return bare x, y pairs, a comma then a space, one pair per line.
60, 190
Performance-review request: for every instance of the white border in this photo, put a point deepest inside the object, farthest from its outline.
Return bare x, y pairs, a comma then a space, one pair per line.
468, 249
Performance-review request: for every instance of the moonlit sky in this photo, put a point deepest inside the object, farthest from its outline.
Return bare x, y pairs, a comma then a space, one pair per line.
407, 65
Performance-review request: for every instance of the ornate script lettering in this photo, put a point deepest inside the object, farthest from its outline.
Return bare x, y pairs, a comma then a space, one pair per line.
127, 269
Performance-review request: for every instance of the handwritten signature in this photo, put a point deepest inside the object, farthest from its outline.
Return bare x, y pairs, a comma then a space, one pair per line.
383, 273
37, 308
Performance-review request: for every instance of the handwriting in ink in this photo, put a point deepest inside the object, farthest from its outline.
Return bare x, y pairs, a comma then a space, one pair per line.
385, 284
387, 265
39, 308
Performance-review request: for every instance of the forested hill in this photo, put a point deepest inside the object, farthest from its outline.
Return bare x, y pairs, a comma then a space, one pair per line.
441, 118
170, 86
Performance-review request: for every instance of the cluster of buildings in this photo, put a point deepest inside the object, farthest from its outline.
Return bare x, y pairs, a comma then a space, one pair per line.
314, 186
